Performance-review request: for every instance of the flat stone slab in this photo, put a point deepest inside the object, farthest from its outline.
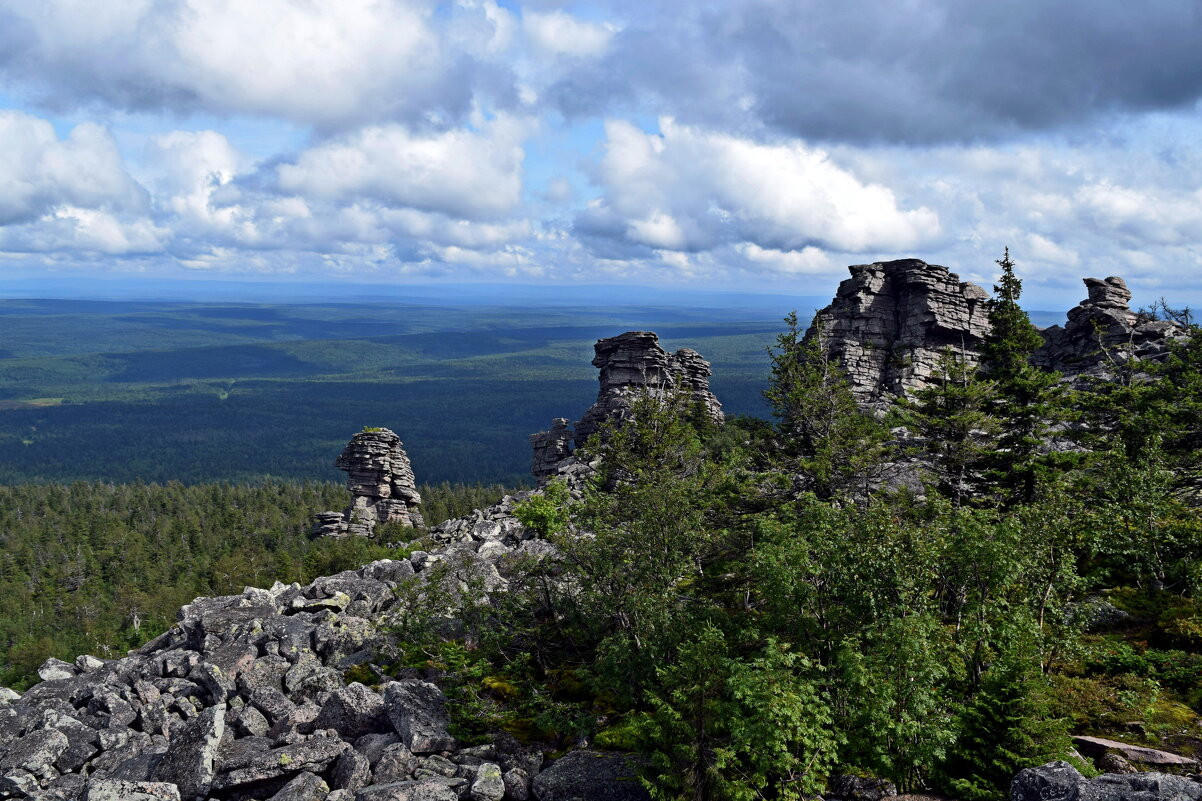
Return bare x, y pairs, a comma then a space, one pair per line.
1096, 746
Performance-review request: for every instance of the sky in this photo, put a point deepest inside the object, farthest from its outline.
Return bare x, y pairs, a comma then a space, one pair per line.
735, 145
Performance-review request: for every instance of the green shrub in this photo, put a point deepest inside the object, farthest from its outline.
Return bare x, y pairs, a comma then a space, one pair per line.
545, 513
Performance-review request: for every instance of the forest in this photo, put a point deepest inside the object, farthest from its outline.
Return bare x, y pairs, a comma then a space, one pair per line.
758, 608
98, 568
935, 597
201, 392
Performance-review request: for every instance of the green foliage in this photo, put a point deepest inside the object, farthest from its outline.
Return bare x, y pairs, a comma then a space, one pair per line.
1008, 725
954, 420
545, 513
1029, 400
101, 568
740, 729
823, 436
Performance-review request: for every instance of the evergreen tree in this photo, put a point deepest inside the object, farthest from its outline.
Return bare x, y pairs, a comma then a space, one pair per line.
824, 437
953, 418
1006, 727
1029, 399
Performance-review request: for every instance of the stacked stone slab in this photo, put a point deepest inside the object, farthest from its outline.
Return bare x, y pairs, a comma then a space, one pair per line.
634, 363
1102, 334
631, 364
380, 480
891, 320
550, 448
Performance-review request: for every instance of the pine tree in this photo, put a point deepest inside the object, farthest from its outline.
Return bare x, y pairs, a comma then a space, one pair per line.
1030, 400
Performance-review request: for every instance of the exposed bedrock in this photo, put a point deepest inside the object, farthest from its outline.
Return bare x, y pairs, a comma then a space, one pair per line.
890, 321
1102, 333
380, 480
629, 364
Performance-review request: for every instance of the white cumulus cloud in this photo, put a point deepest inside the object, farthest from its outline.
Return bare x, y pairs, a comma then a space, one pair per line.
462, 173
693, 189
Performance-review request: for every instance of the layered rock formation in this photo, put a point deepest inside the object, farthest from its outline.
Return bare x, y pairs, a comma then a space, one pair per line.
630, 364
550, 448
380, 480
634, 362
1102, 333
890, 321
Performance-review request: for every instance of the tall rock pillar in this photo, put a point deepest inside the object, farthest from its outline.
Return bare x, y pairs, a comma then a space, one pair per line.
381, 483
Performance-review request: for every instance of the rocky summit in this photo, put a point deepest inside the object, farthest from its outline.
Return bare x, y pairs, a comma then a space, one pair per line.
1102, 333
629, 364
380, 480
889, 323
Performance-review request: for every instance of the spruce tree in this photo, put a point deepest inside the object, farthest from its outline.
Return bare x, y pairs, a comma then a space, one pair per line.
1029, 399
825, 439
953, 419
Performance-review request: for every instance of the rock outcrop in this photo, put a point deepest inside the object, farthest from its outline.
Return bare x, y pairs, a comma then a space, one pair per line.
248, 697
891, 320
1102, 333
550, 448
630, 364
381, 483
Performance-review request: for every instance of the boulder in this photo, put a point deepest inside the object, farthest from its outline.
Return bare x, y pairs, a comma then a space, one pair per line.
424, 790
188, 763
488, 785
313, 756
305, 787
594, 775
354, 711
35, 751
418, 712
1060, 781
120, 790
1095, 747
859, 788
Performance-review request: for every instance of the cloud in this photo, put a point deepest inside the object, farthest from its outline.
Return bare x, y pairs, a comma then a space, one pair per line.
689, 189
39, 171
468, 174
556, 33
329, 64
921, 71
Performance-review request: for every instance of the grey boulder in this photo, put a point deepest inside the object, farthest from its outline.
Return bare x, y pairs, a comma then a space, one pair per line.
120, 790
594, 775
1060, 781
418, 712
